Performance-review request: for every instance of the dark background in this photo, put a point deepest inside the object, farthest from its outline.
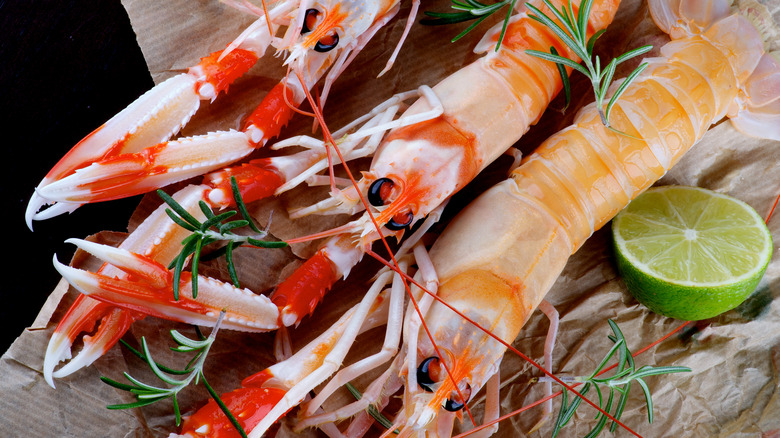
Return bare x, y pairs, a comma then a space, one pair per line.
65, 68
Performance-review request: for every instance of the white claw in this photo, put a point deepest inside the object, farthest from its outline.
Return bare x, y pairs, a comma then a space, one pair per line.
57, 351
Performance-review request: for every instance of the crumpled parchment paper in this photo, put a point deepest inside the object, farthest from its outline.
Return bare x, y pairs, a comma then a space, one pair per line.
732, 391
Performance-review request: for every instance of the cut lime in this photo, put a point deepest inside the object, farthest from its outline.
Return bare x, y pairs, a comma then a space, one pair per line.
690, 253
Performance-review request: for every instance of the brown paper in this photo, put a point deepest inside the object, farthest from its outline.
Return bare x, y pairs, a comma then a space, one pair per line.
731, 392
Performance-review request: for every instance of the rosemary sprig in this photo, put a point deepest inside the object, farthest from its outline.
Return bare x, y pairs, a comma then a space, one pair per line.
470, 10
572, 30
214, 229
625, 373
147, 394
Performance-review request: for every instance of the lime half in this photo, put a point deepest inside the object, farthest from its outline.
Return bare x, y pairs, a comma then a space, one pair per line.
690, 253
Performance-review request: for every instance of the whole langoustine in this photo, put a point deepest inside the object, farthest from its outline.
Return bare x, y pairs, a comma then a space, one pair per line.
575, 182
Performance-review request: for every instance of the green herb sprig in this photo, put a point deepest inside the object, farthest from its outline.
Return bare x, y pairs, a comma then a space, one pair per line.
620, 383
147, 394
573, 32
214, 229
470, 10
372, 410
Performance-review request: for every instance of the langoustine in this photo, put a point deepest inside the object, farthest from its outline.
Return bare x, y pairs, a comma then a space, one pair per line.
572, 185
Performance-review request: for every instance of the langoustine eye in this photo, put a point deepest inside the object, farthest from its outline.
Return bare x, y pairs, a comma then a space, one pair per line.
328, 43
454, 403
379, 191
428, 373
309, 20
400, 221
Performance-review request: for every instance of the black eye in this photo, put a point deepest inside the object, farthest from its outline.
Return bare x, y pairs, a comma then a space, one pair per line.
309, 20
455, 404
424, 378
327, 44
379, 190
400, 221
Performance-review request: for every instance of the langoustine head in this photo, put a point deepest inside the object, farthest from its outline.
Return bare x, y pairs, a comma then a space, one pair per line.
444, 373
324, 25
416, 169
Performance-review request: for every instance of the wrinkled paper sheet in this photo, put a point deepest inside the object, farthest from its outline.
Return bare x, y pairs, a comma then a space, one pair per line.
732, 391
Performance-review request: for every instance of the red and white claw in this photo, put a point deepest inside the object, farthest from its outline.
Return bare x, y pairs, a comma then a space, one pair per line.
148, 290
82, 316
150, 120
135, 173
158, 238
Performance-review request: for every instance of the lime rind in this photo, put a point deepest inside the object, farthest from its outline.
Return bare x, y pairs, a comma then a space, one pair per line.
660, 234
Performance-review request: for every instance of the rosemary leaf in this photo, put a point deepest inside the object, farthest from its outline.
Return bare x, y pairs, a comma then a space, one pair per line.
607, 358
559, 420
230, 264
137, 404
565, 80
206, 211
468, 29
223, 407
443, 18
176, 219
214, 221
117, 385
194, 267
602, 419
592, 40
241, 206
633, 53
648, 399
224, 228
176, 207
266, 243
621, 405
558, 31
187, 342
558, 60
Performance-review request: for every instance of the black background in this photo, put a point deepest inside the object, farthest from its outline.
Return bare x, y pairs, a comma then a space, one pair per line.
65, 68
